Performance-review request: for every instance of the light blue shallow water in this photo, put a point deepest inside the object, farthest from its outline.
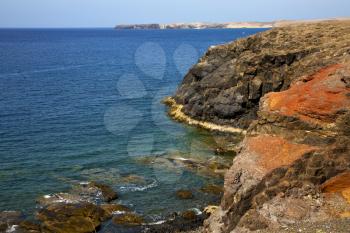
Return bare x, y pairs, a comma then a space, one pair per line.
82, 105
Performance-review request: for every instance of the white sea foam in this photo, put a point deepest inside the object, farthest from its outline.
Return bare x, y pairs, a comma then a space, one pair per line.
134, 188
197, 211
11, 228
84, 182
181, 159
118, 212
157, 223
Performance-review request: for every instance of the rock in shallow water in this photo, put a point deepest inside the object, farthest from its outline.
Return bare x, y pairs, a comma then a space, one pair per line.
189, 215
212, 189
68, 218
128, 219
84, 192
114, 208
108, 193
184, 194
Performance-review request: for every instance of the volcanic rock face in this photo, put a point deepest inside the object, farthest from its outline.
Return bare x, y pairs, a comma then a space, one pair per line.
295, 149
290, 87
227, 83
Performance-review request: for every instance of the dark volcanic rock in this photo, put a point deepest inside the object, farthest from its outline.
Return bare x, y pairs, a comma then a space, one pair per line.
227, 83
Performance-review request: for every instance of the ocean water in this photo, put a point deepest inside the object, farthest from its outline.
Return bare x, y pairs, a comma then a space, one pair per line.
82, 105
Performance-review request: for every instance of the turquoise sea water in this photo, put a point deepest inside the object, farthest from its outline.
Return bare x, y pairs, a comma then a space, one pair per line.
84, 104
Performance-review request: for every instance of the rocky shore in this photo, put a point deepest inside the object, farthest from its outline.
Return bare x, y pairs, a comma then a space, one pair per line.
286, 92
289, 89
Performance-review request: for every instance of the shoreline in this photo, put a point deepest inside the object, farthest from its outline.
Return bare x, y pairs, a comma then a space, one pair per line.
176, 113
225, 25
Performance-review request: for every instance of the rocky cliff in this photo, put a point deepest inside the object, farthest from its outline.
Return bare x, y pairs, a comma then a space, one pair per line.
289, 88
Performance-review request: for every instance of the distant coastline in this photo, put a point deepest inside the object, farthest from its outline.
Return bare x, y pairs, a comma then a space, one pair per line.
230, 25
195, 25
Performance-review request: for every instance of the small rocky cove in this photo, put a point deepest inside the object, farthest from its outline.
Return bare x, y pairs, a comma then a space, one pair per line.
97, 206
286, 93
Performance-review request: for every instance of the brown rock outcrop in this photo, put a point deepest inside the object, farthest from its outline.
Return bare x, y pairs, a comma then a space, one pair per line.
299, 143
290, 88
67, 218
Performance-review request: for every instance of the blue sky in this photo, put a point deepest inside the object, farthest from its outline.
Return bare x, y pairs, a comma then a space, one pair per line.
107, 13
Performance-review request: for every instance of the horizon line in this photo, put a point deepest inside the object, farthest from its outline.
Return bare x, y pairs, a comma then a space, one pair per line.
193, 22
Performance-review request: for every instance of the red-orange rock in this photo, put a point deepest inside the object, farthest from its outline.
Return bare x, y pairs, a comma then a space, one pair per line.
274, 151
318, 99
339, 184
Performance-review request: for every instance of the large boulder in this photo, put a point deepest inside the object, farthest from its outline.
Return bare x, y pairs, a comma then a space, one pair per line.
72, 217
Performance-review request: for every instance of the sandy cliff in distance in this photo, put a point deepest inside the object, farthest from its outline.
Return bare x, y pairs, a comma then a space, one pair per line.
289, 88
229, 25
196, 25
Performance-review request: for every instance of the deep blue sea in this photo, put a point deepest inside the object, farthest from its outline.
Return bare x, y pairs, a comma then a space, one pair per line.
82, 105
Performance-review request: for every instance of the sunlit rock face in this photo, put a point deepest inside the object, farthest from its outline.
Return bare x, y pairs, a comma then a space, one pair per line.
290, 89
226, 85
298, 148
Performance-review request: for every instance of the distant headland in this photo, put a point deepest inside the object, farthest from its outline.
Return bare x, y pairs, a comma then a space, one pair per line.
229, 25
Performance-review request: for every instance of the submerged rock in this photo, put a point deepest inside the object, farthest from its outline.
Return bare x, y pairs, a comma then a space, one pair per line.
59, 198
184, 194
84, 192
128, 219
212, 167
183, 222
213, 189
189, 215
114, 208
133, 179
108, 193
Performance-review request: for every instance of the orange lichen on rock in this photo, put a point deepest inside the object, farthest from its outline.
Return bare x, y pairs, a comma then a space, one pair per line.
339, 184
317, 99
275, 151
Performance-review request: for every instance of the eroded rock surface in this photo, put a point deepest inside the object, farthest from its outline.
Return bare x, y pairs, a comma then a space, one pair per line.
227, 83
293, 155
290, 89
